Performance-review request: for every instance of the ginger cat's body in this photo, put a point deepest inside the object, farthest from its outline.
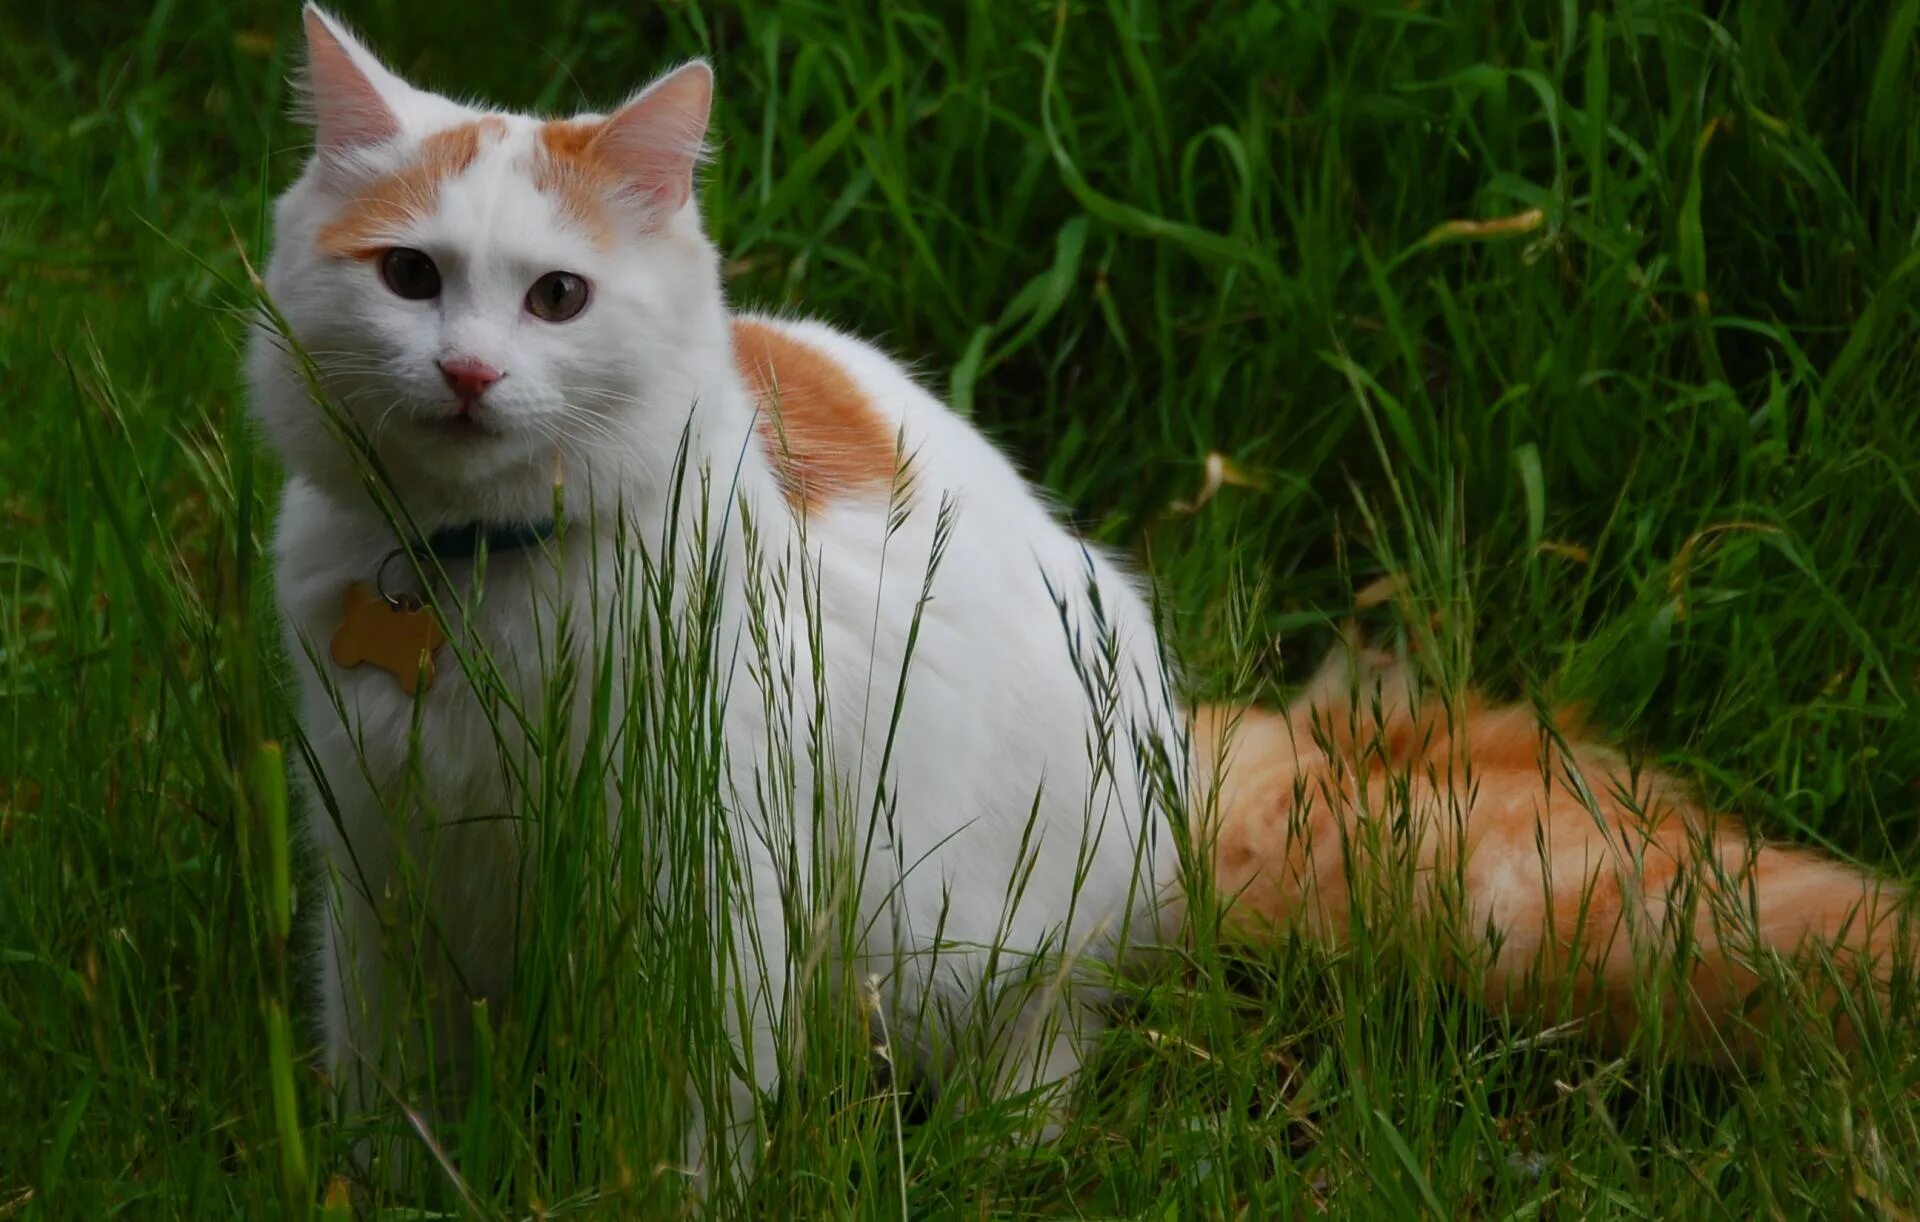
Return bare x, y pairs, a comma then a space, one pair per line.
494, 300
1564, 879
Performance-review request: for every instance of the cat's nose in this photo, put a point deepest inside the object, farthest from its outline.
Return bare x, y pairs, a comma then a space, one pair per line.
468, 377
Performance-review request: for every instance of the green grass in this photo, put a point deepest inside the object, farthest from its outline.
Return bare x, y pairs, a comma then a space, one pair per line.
1656, 448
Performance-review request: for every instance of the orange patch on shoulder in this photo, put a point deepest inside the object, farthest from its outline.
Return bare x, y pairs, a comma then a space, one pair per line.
819, 427
367, 225
569, 170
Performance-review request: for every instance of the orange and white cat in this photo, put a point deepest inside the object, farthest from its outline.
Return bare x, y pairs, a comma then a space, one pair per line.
491, 298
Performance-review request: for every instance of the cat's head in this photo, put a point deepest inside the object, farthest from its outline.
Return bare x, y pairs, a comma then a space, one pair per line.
485, 295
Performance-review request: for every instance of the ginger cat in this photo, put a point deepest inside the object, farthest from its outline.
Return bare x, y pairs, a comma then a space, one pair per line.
1568, 876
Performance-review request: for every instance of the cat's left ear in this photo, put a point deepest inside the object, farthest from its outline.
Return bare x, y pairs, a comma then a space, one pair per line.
349, 93
655, 142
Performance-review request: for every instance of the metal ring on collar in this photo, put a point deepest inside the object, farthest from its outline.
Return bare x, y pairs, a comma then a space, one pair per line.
399, 602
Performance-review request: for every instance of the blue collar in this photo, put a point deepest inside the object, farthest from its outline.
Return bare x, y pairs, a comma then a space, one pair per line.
469, 540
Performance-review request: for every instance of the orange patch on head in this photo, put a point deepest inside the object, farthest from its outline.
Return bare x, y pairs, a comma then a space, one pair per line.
823, 434
369, 222
579, 181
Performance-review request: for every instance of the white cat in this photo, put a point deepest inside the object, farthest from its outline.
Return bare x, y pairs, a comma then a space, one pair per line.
497, 301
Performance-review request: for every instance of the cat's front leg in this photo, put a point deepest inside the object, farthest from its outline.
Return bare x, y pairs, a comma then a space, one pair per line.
1042, 1050
356, 981
754, 981
352, 986
390, 1044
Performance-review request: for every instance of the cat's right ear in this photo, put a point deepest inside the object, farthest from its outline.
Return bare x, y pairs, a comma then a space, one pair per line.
349, 95
654, 142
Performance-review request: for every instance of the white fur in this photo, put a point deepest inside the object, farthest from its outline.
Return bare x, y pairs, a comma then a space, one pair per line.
996, 713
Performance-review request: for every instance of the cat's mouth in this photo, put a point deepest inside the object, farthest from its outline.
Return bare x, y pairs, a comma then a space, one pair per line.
460, 424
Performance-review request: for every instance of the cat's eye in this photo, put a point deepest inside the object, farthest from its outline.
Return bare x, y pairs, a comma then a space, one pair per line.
557, 296
410, 273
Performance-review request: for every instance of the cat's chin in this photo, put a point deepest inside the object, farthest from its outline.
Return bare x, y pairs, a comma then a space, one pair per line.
457, 454
467, 429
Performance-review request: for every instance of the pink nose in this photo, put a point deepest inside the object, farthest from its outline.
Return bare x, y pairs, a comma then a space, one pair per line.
469, 378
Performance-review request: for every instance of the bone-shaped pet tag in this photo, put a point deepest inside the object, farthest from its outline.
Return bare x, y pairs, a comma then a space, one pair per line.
399, 639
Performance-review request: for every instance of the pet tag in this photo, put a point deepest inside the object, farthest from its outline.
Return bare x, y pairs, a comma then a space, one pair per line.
397, 635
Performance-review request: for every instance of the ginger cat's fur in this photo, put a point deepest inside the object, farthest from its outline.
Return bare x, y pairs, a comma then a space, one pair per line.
1566, 876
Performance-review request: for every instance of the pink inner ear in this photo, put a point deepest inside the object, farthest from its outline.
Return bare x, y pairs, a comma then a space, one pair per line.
653, 142
349, 111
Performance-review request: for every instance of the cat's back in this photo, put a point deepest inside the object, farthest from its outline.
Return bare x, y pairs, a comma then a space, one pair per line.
1006, 649
886, 480
849, 427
